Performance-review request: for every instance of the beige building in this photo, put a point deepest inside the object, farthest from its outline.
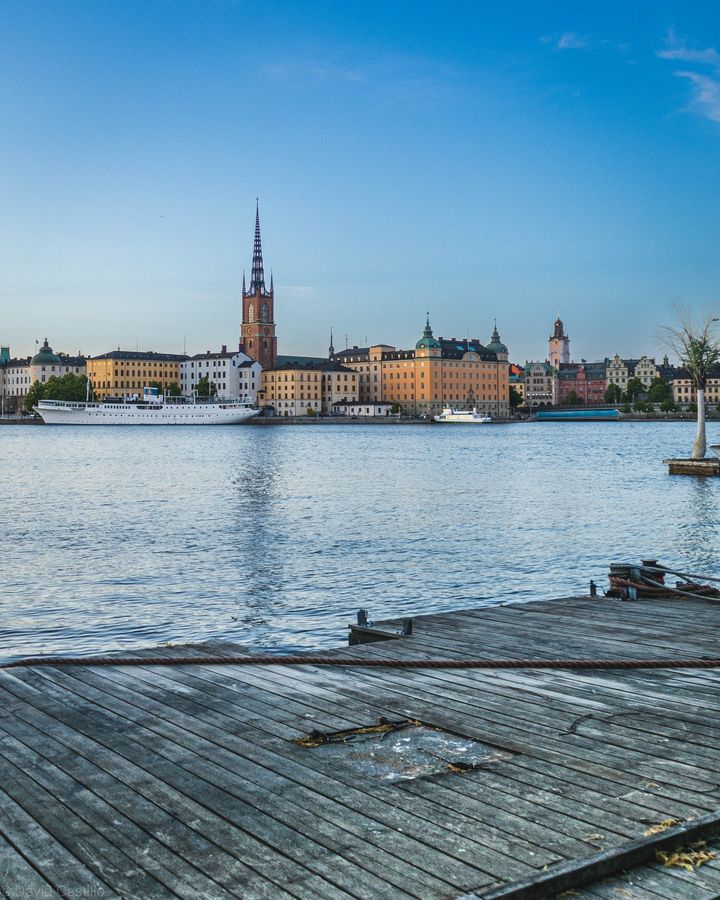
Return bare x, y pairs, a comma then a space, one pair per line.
295, 386
124, 373
541, 384
620, 371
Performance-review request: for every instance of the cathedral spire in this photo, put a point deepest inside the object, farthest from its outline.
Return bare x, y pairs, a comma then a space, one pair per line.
331, 349
257, 276
243, 287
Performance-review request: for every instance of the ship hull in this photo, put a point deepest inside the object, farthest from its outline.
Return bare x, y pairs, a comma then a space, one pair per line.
130, 414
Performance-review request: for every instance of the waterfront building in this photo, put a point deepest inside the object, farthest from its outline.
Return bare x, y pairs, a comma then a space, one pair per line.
586, 380
558, 345
257, 331
124, 373
14, 382
620, 371
18, 375
356, 409
296, 385
437, 373
683, 390
234, 374
541, 384
367, 362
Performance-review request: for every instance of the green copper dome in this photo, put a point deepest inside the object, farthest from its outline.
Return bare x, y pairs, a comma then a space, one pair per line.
496, 345
45, 357
427, 341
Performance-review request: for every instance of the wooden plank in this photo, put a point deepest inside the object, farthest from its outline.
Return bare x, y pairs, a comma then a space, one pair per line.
58, 867
243, 851
384, 815
576, 873
18, 878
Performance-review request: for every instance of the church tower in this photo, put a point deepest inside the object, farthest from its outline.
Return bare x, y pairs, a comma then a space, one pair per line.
558, 345
257, 334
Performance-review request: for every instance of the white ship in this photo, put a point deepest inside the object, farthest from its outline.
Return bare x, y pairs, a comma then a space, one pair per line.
151, 410
462, 417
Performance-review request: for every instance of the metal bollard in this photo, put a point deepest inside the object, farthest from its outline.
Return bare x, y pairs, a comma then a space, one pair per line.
362, 617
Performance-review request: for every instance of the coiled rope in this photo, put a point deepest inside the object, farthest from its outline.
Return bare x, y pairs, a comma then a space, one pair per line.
350, 662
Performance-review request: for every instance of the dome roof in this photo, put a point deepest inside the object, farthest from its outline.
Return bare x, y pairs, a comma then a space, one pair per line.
45, 356
496, 345
427, 341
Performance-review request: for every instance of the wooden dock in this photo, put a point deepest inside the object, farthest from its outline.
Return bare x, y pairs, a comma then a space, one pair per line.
184, 781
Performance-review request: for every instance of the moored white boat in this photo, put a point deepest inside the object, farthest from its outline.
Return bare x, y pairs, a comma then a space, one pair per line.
153, 409
462, 417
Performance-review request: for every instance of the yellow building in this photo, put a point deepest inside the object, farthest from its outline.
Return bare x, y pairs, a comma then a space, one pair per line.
124, 373
683, 389
437, 373
297, 385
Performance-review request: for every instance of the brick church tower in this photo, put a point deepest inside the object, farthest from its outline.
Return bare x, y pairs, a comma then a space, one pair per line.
257, 332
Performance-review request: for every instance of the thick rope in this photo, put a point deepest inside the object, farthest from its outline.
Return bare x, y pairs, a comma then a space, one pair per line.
340, 661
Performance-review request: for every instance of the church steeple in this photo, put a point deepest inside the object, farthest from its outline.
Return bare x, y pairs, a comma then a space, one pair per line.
257, 275
331, 349
257, 337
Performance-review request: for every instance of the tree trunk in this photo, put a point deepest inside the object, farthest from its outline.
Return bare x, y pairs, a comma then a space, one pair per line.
699, 447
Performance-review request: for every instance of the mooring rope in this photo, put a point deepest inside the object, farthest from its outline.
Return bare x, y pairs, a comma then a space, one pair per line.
351, 662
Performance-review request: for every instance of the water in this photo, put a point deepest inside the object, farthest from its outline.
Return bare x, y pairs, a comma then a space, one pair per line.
273, 537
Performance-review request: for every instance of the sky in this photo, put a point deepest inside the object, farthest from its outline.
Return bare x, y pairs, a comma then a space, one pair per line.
479, 161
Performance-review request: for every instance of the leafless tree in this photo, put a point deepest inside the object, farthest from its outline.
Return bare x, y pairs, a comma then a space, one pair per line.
698, 347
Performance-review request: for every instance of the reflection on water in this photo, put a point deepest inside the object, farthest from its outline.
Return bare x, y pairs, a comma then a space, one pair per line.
274, 537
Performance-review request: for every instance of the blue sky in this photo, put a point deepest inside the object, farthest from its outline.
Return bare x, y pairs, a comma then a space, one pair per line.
480, 160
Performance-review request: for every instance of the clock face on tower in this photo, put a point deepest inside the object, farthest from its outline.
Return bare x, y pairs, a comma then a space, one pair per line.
267, 331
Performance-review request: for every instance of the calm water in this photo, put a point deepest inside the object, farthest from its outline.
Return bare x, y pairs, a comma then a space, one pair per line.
274, 537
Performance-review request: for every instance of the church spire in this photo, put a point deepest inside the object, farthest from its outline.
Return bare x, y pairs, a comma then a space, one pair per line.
243, 287
331, 349
257, 276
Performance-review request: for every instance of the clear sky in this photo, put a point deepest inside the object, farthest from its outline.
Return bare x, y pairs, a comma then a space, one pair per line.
488, 159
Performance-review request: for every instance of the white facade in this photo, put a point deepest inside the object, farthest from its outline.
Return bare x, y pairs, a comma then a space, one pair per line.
16, 381
235, 375
357, 409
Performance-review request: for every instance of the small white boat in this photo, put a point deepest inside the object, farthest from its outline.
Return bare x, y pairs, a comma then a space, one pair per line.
462, 417
153, 409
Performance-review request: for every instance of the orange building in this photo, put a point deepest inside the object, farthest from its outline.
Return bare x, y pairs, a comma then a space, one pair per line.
437, 373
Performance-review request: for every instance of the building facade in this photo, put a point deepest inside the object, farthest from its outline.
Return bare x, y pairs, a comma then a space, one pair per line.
234, 374
541, 384
358, 410
558, 345
586, 380
124, 373
684, 392
620, 371
298, 385
437, 373
257, 331
18, 375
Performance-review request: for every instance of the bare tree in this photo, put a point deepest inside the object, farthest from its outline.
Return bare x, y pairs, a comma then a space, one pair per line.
698, 348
